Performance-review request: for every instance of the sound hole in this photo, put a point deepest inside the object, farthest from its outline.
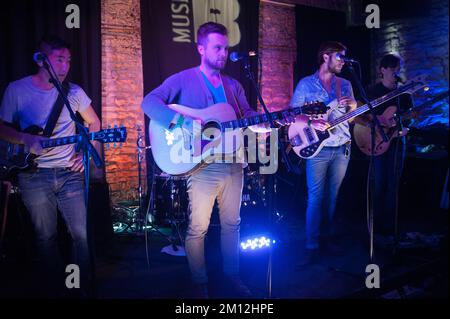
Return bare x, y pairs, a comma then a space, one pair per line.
211, 131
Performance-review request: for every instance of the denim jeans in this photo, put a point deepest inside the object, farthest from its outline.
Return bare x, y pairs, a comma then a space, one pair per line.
44, 192
224, 182
388, 169
324, 175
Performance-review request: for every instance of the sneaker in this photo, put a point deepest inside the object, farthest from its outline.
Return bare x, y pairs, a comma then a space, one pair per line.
239, 288
199, 291
310, 256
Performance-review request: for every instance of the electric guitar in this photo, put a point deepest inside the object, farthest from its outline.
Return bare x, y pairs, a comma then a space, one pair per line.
179, 151
307, 141
18, 156
362, 133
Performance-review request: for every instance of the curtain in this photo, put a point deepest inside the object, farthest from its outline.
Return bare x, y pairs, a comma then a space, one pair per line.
23, 23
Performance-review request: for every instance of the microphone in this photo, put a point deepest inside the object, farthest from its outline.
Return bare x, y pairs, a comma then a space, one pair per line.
398, 79
39, 57
341, 57
236, 56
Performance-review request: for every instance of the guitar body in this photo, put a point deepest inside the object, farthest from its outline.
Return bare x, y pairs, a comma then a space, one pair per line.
306, 141
16, 156
178, 152
362, 135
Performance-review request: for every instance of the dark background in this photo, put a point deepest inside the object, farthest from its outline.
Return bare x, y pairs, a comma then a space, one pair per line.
23, 23
310, 34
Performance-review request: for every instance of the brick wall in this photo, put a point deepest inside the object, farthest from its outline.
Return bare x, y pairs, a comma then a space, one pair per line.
122, 91
278, 50
338, 5
423, 44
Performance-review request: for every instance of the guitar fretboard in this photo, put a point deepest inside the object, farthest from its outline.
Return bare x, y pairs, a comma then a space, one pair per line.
362, 109
113, 135
60, 141
261, 118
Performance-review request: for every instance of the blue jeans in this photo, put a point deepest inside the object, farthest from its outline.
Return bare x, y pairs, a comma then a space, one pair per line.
44, 192
224, 182
324, 175
388, 169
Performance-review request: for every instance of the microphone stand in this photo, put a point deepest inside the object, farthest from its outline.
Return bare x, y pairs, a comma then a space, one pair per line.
272, 179
375, 124
83, 143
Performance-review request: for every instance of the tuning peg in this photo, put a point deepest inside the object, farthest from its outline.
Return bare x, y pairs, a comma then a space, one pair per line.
115, 144
115, 125
107, 146
120, 145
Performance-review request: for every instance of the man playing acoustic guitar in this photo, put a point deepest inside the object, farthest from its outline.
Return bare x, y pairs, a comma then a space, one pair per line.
200, 88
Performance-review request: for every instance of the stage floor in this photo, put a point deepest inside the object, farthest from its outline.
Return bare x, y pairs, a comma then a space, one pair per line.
123, 270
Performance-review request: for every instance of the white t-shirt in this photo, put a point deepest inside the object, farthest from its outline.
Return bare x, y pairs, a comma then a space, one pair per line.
24, 105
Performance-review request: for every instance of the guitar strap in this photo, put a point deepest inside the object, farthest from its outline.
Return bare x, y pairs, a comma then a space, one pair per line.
338, 87
338, 96
56, 112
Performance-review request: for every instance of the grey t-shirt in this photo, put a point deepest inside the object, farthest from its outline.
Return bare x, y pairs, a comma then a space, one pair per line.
24, 104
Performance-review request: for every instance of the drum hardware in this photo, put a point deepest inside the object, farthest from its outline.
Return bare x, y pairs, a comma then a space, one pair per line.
175, 217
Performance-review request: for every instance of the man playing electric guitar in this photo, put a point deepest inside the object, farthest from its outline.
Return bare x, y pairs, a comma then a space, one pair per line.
57, 182
388, 165
325, 171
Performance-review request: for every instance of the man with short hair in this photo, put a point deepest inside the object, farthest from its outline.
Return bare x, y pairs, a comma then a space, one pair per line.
326, 171
57, 181
200, 87
389, 165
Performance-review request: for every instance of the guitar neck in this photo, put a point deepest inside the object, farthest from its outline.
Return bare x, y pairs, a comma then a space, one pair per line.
363, 109
60, 141
110, 135
411, 113
260, 118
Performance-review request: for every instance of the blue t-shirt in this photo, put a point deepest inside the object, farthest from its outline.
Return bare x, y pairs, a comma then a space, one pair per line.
217, 93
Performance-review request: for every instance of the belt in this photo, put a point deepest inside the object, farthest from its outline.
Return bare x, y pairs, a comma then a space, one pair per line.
34, 169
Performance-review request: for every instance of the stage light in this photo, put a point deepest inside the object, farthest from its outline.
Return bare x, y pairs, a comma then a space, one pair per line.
256, 243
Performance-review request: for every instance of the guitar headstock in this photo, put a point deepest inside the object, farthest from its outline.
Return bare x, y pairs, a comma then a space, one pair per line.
415, 84
112, 135
314, 108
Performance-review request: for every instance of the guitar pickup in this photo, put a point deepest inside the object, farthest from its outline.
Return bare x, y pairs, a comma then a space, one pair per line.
296, 141
309, 134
